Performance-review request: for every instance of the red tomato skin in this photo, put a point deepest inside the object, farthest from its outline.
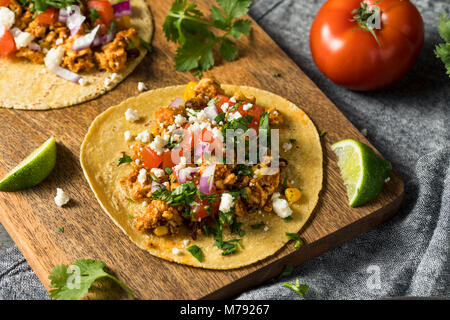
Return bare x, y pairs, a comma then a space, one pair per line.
352, 58
7, 43
151, 158
200, 212
4, 3
254, 112
105, 10
49, 16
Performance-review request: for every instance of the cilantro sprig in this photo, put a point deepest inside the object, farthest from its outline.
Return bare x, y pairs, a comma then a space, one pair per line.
64, 284
442, 50
124, 159
296, 238
188, 27
196, 252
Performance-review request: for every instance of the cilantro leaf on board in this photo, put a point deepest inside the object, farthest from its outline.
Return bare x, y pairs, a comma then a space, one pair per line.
187, 26
442, 50
70, 283
296, 238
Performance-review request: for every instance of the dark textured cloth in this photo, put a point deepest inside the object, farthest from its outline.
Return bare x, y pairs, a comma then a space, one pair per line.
409, 123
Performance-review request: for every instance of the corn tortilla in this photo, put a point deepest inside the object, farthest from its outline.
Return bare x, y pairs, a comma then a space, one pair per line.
105, 141
30, 86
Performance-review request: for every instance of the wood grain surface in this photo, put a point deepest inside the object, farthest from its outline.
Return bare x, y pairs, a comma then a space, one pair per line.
33, 220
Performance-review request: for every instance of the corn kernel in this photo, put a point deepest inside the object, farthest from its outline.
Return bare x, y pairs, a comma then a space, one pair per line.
161, 231
189, 92
124, 22
292, 194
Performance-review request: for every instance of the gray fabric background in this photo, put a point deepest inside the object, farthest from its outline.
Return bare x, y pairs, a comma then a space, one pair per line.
409, 124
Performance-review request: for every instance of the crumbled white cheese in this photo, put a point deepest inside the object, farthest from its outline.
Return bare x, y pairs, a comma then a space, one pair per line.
247, 106
216, 132
225, 107
387, 180
142, 176
364, 131
114, 76
83, 82
157, 172
166, 184
59, 41
158, 144
107, 81
144, 136
266, 228
234, 116
185, 242
226, 202
176, 251
54, 57
233, 99
7, 17
137, 161
61, 197
127, 135
144, 203
132, 115
287, 146
281, 207
180, 120
142, 87
171, 128
23, 39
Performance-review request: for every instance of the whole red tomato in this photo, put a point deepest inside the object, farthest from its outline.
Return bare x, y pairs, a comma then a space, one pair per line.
349, 54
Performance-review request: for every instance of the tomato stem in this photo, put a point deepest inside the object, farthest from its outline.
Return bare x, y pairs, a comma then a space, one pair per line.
368, 17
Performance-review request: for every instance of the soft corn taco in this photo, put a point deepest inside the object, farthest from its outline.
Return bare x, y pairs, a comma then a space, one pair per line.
55, 54
205, 208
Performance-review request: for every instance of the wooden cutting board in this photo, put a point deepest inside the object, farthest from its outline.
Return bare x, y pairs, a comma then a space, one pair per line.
33, 220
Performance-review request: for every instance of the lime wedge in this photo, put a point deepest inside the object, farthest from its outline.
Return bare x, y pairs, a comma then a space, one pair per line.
363, 171
33, 169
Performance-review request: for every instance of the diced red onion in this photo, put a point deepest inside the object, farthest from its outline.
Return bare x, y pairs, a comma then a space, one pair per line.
201, 148
185, 173
85, 41
74, 21
65, 73
211, 112
156, 186
64, 13
122, 9
100, 40
176, 102
207, 180
34, 46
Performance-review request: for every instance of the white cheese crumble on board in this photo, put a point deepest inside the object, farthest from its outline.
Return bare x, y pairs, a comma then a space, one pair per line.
142, 87
287, 146
61, 197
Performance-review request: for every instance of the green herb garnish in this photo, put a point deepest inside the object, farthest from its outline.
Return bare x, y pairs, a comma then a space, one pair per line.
61, 229
228, 247
287, 271
297, 287
196, 252
322, 133
287, 219
63, 279
125, 159
296, 237
146, 45
188, 27
442, 50
94, 15
168, 170
276, 75
257, 225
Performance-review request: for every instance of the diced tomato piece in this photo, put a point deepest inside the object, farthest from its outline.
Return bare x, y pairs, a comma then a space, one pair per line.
49, 16
151, 158
207, 136
167, 158
254, 112
220, 101
7, 43
105, 10
4, 3
200, 212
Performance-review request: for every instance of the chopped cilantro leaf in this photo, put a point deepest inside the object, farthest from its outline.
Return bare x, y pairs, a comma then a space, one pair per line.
146, 45
61, 229
276, 75
287, 219
297, 287
196, 252
125, 159
322, 133
257, 225
287, 271
296, 237
168, 170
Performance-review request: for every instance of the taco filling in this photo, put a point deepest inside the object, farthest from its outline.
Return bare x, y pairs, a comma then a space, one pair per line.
205, 190
69, 37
